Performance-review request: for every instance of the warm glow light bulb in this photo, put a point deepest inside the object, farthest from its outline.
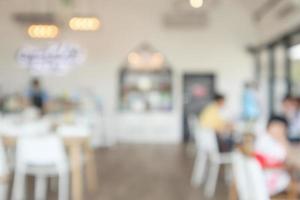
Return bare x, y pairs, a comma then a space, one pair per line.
43, 31
84, 23
196, 3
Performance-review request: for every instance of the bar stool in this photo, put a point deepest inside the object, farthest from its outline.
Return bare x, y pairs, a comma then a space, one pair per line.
41, 157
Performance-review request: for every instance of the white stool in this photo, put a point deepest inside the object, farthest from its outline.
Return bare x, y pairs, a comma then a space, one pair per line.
41, 157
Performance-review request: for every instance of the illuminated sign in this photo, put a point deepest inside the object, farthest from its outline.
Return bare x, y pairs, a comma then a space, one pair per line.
53, 59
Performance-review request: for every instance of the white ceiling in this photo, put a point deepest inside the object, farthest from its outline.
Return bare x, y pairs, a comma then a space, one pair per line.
250, 6
269, 21
44, 4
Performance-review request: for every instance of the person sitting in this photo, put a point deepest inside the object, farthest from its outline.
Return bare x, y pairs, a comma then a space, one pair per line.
211, 117
250, 102
271, 150
291, 112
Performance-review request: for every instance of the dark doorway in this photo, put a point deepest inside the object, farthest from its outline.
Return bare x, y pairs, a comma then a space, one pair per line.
198, 90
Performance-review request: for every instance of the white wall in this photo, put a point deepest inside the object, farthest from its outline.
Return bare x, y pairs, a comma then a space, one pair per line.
219, 48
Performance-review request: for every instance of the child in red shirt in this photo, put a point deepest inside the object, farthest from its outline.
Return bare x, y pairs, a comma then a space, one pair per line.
271, 150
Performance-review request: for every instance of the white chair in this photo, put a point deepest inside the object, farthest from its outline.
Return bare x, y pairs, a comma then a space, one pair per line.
249, 178
209, 155
216, 159
35, 128
4, 173
41, 157
201, 155
10, 128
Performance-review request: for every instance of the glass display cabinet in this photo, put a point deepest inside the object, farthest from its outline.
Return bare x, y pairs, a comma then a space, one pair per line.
145, 82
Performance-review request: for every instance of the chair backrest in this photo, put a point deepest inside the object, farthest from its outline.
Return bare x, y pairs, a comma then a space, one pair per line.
206, 140
39, 127
41, 151
11, 127
249, 178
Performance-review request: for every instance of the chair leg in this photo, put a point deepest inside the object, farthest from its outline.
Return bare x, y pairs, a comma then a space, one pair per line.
63, 184
199, 169
18, 186
228, 174
53, 184
40, 190
3, 190
210, 186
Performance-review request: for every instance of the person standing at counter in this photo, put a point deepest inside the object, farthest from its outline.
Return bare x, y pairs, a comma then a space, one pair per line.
213, 119
37, 96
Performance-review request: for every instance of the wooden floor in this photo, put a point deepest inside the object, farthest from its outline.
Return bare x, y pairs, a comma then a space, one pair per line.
146, 172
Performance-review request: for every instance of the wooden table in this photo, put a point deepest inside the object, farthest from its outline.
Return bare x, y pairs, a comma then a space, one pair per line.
75, 147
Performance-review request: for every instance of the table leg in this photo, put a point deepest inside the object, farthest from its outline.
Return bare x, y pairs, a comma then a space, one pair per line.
75, 153
233, 192
91, 169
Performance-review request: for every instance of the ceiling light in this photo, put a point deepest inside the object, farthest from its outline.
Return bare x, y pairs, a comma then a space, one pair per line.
42, 31
196, 3
146, 60
84, 23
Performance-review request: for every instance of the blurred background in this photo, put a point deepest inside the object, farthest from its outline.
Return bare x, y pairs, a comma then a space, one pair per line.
116, 99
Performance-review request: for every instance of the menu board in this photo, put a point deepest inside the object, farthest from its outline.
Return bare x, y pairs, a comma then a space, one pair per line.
52, 59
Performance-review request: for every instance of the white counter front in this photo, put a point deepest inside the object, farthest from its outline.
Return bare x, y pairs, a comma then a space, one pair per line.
156, 127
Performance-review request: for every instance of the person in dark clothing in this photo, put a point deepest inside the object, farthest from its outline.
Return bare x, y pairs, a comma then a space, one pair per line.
37, 96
